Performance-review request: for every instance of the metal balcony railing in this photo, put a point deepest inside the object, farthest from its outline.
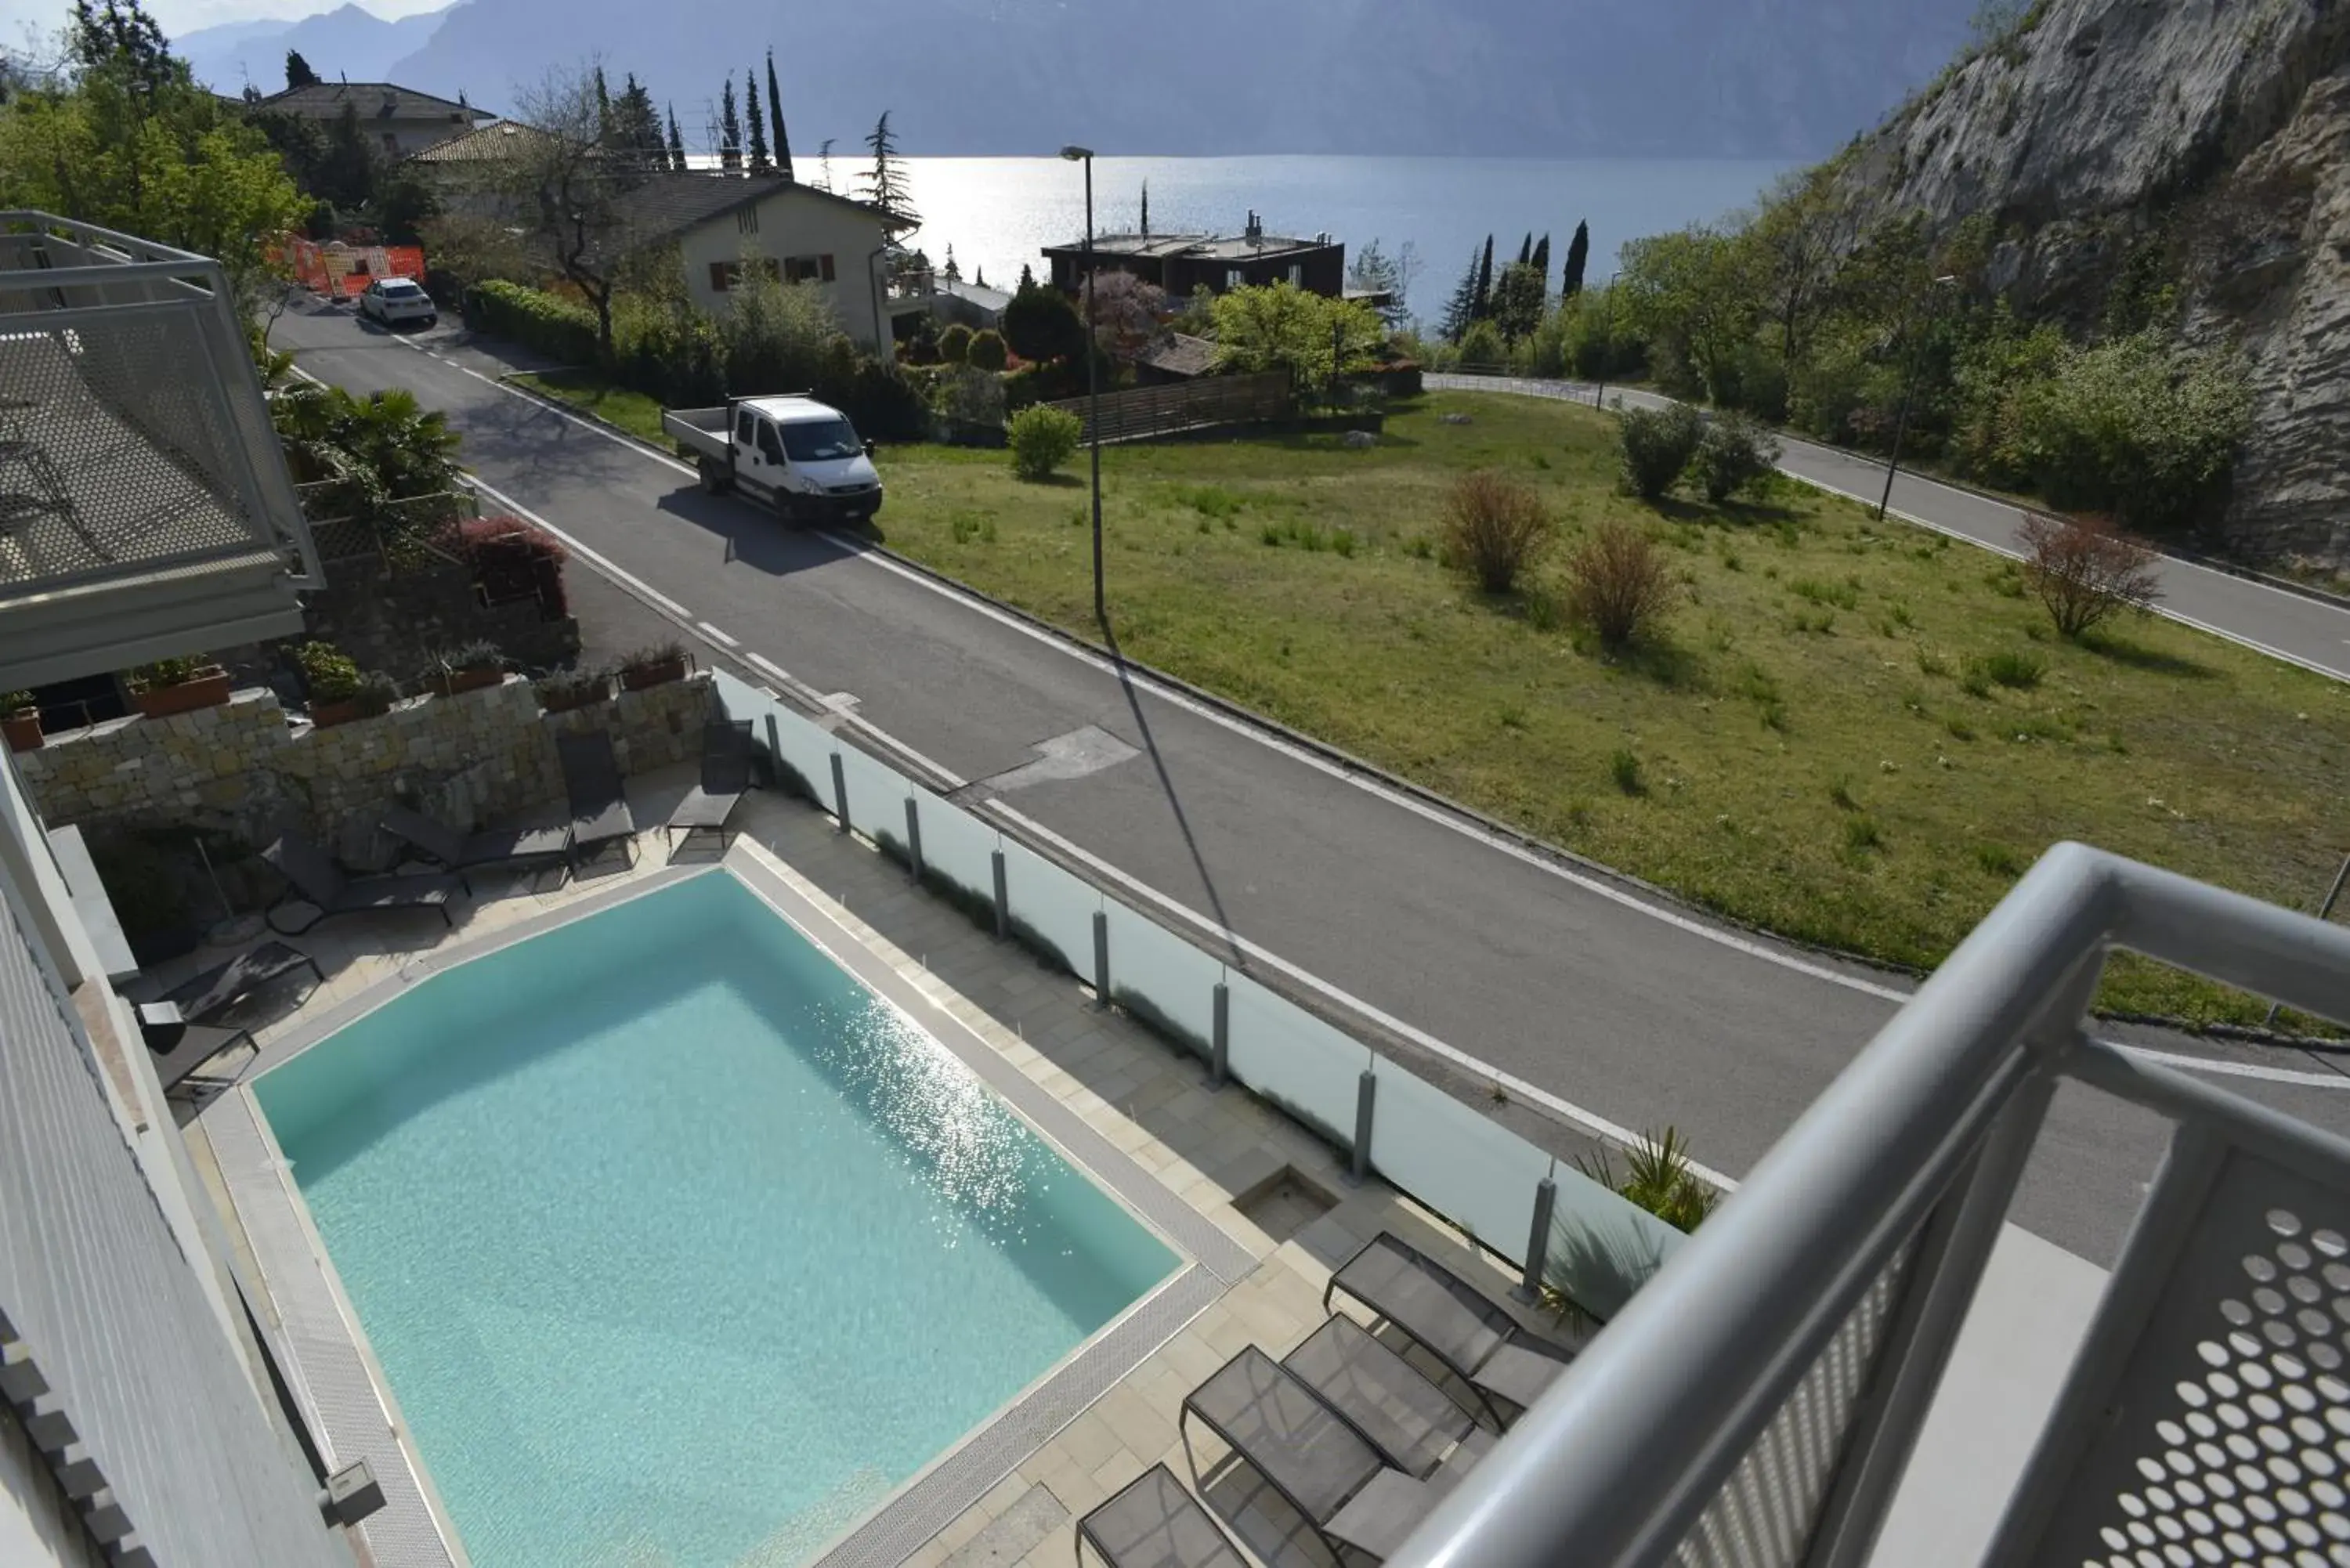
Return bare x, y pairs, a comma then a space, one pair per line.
1757, 1403
142, 486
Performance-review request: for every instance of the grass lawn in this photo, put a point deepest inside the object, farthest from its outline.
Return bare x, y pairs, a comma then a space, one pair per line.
1855, 734
632, 411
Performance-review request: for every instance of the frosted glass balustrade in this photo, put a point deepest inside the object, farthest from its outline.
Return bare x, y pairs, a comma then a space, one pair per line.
1166, 974
1602, 1248
1475, 1173
1287, 1055
957, 847
1053, 904
877, 794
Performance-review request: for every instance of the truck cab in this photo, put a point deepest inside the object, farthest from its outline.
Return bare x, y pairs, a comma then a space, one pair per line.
794, 453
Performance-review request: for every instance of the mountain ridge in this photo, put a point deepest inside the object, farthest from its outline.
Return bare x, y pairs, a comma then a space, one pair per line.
348, 42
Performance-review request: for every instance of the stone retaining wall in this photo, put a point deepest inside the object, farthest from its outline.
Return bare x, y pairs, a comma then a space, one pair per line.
245, 769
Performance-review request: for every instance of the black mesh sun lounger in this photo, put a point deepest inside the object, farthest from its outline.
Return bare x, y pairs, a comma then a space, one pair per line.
600, 805
454, 850
179, 1047
709, 805
1328, 1471
1411, 1421
1155, 1522
313, 879
1461, 1326
223, 986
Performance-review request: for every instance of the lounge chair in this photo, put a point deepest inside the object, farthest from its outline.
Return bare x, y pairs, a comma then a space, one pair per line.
725, 777
1154, 1522
1411, 1421
223, 986
600, 805
1464, 1329
1329, 1472
461, 852
313, 879
179, 1047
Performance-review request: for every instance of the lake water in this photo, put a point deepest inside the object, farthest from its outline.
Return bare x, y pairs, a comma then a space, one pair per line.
998, 213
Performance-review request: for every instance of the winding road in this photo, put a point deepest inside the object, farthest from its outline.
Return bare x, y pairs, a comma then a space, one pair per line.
1480, 958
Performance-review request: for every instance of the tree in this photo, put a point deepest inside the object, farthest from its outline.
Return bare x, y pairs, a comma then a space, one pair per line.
979, 277
1579, 254
1126, 313
1691, 296
2084, 569
1374, 270
570, 191
298, 72
1518, 301
603, 106
759, 164
1541, 259
775, 122
824, 164
1040, 322
1461, 308
730, 132
1281, 327
884, 183
1484, 306
1145, 206
636, 128
953, 270
345, 175
1526, 249
1657, 444
1027, 278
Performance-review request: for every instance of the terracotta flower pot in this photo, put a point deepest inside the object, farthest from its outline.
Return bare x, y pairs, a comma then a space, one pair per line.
660, 674
209, 690
566, 701
326, 715
451, 682
22, 730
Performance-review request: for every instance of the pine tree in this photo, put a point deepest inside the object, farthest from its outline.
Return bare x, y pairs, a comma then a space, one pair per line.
676, 143
1461, 308
758, 123
298, 72
1578, 252
1542, 258
1027, 278
1483, 301
775, 122
730, 132
636, 128
1526, 249
884, 184
950, 272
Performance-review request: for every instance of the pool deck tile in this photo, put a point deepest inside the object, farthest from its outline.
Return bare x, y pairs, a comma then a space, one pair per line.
1147, 1099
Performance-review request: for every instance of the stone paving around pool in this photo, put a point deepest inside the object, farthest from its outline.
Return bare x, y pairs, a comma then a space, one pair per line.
1276, 1189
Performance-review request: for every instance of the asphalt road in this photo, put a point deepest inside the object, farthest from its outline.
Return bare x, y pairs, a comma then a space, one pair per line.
1632, 1013
2289, 626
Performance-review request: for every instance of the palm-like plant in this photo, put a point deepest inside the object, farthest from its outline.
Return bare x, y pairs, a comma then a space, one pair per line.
1658, 1177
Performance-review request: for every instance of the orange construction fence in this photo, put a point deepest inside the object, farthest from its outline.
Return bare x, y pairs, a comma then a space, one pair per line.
339, 271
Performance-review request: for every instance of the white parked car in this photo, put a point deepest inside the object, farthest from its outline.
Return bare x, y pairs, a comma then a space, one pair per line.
392, 300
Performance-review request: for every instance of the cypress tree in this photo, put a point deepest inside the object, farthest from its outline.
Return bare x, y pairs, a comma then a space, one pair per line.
1483, 305
1542, 258
298, 72
1461, 308
676, 143
1526, 249
730, 131
603, 107
1578, 252
758, 124
775, 122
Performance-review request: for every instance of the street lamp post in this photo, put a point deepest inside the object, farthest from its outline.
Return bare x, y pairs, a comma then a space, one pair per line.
1084, 155
1608, 352
1908, 388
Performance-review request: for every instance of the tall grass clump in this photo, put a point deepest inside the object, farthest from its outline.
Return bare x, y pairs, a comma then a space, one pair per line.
1619, 584
1493, 529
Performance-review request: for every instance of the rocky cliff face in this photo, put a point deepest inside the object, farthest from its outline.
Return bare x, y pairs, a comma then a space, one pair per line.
2202, 143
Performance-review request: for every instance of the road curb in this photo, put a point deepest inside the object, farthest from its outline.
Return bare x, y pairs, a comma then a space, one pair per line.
1346, 760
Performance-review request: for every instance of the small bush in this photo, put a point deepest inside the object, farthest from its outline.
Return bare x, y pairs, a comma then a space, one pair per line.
1625, 769
1843, 595
1658, 445
2085, 570
1619, 584
164, 672
1999, 860
987, 351
1735, 454
1041, 440
2008, 667
1493, 529
560, 329
1657, 1177
1861, 833
331, 675
954, 344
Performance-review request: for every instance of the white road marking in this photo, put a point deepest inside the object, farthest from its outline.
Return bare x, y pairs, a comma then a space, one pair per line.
716, 635
2237, 1069
604, 564
772, 668
1611, 1132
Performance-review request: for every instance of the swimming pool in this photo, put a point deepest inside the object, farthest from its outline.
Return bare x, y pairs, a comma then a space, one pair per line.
676, 1245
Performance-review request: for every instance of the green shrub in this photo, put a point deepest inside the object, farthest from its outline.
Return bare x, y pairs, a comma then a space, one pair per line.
954, 344
169, 671
1483, 349
987, 350
1861, 833
2008, 667
1657, 1177
1041, 439
1735, 454
559, 328
331, 675
1625, 769
967, 396
1658, 445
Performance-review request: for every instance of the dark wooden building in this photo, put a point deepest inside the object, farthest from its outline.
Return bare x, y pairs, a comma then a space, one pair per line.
1184, 264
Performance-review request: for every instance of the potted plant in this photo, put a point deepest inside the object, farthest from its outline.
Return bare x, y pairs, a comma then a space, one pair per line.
467, 669
656, 666
20, 720
562, 692
169, 686
339, 692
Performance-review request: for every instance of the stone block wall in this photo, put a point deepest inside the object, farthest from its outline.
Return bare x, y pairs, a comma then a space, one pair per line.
397, 622
245, 769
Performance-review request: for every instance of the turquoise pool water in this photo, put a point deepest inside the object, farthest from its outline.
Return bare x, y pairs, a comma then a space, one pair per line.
679, 1247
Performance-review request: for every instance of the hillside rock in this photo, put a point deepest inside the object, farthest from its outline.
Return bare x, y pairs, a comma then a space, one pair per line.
2202, 142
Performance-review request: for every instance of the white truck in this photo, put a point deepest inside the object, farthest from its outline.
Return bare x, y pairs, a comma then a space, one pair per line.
799, 456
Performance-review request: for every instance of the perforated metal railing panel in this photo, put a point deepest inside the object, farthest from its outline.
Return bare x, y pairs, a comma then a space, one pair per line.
2228, 1434
117, 449
1765, 1516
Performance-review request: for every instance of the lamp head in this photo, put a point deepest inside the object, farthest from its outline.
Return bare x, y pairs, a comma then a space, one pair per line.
1075, 154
